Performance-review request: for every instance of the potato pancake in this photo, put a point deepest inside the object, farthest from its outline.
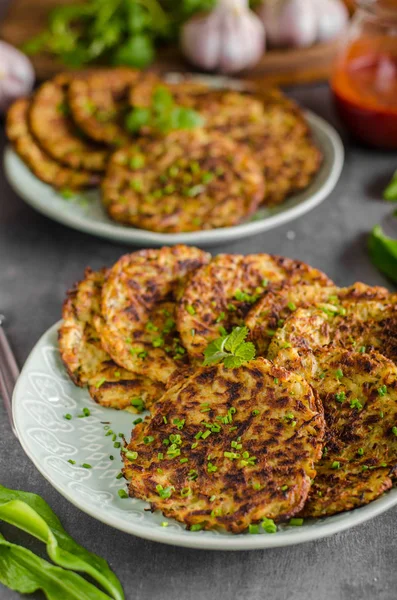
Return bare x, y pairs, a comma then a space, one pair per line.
282, 145
87, 363
276, 305
55, 131
137, 326
185, 181
228, 448
359, 395
222, 292
365, 324
99, 103
225, 111
42, 165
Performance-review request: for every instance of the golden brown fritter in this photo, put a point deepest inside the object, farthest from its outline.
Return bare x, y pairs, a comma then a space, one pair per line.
221, 293
359, 395
54, 129
225, 111
185, 181
367, 322
228, 448
282, 145
42, 165
99, 103
137, 326
277, 304
88, 364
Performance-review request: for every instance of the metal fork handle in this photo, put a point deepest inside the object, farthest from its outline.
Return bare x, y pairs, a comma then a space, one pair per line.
9, 373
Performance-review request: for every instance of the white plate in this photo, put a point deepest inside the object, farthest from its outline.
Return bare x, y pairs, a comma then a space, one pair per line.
93, 219
44, 394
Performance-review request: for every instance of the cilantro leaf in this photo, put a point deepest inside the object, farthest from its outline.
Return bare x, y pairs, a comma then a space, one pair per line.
231, 349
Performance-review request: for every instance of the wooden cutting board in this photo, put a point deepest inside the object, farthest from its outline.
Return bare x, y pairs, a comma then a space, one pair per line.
26, 18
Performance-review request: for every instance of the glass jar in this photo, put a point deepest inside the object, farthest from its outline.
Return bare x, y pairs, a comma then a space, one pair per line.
364, 81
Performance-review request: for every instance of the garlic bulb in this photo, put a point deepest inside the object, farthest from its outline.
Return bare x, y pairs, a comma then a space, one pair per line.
289, 22
332, 18
301, 23
228, 39
16, 75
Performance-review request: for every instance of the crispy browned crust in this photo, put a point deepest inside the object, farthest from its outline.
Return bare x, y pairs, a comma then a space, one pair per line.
87, 363
137, 325
360, 453
282, 143
223, 492
54, 129
276, 305
42, 165
368, 320
99, 103
170, 192
209, 301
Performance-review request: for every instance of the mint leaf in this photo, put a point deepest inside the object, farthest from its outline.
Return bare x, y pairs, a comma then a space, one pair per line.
137, 118
236, 338
162, 100
231, 349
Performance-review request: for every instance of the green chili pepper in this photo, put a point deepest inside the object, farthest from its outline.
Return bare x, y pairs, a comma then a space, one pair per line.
383, 252
22, 571
32, 514
390, 192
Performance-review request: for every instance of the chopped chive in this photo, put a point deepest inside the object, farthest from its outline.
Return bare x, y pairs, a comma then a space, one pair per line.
335, 464
269, 525
184, 460
291, 306
339, 374
253, 528
119, 475
137, 421
164, 524
72, 462
196, 527
116, 445
67, 416
296, 522
86, 466
382, 391
206, 434
190, 309
100, 382
148, 439
122, 494
111, 457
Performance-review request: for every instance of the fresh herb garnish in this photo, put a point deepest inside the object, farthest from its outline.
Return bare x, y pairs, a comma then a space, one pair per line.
163, 115
231, 349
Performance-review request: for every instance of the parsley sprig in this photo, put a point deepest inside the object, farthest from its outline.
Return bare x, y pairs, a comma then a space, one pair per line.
231, 349
163, 115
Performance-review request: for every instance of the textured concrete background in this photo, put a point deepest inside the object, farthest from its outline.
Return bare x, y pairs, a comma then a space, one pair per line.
39, 260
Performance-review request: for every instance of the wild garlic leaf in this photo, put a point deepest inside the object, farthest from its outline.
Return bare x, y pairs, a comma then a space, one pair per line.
231, 349
32, 514
23, 571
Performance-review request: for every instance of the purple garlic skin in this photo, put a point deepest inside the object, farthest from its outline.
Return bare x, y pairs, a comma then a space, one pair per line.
16, 75
228, 39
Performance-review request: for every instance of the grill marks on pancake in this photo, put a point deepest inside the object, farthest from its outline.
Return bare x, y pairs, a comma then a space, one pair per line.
41, 164
84, 357
222, 292
137, 325
359, 395
228, 493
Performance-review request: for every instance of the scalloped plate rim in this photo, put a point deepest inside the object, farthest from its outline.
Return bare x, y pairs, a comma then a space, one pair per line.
199, 540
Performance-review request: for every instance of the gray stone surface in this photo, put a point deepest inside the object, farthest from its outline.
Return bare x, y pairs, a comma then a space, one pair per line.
40, 259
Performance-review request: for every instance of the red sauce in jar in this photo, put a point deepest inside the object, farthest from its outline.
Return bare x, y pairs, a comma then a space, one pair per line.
365, 91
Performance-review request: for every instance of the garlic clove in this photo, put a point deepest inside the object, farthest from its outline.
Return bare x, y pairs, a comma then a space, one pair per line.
16, 75
289, 23
332, 19
228, 39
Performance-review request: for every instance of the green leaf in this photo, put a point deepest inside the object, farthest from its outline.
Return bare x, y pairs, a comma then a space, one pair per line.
22, 571
185, 118
236, 338
231, 349
32, 514
390, 192
137, 118
162, 100
137, 51
383, 252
